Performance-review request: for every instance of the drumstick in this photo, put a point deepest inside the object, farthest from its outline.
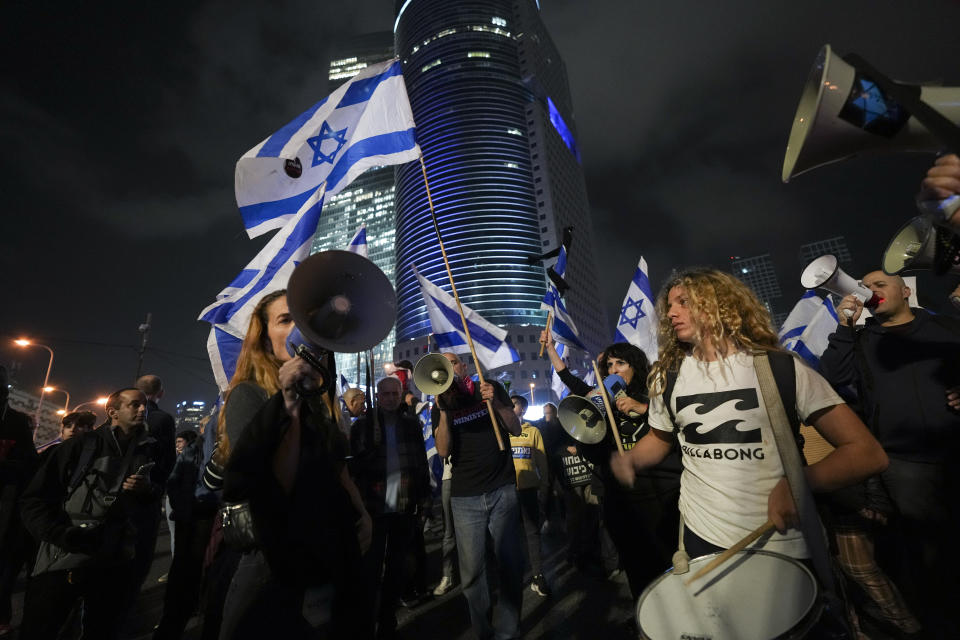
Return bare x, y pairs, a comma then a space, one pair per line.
726, 555
606, 403
544, 342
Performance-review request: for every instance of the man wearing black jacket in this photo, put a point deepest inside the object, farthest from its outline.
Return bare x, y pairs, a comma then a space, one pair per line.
85, 505
905, 366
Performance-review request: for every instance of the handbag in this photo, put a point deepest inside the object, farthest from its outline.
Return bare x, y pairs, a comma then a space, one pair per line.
239, 531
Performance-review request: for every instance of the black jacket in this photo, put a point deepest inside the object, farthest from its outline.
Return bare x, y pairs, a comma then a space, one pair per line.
96, 522
162, 426
901, 375
18, 461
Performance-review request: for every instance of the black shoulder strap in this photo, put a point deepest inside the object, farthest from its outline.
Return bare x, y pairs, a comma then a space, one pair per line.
85, 461
671, 382
783, 365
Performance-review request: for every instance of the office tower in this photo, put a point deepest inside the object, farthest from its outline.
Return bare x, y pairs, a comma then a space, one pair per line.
837, 246
494, 120
758, 273
367, 200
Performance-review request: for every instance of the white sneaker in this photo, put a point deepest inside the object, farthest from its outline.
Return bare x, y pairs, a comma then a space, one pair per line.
446, 584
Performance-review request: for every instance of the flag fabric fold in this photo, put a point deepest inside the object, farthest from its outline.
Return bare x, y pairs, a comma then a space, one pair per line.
808, 327
563, 328
358, 244
556, 383
638, 320
489, 340
269, 271
367, 122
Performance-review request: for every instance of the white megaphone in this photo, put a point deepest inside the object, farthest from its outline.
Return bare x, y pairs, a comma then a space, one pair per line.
825, 273
844, 112
921, 245
433, 374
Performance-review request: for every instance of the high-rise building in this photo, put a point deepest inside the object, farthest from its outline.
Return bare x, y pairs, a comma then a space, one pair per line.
495, 122
368, 199
836, 245
190, 414
758, 273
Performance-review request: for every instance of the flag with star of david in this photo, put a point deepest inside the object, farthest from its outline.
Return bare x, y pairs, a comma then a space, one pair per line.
808, 327
365, 123
269, 271
638, 321
563, 329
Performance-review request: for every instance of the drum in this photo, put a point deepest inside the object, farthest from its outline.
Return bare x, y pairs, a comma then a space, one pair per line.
755, 595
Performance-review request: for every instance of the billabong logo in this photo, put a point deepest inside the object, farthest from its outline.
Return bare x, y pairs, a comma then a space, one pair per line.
726, 432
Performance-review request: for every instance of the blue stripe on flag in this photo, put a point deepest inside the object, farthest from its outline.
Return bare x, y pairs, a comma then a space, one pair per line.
255, 214
275, 143
246, 277
448, 340
361, 90
812, 359
796, 331
228, 347
301, 233
478, 333
381, 145
643, 283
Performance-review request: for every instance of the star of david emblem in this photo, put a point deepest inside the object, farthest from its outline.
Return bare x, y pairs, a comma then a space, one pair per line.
632, 312
316, 143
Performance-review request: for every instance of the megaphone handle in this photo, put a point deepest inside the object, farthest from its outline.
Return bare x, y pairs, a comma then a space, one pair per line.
606, 404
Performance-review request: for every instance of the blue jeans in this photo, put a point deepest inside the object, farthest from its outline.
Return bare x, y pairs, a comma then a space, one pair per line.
497, 511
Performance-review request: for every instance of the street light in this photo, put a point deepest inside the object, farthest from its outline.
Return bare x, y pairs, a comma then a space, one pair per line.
24, 343
102, 400
66, 404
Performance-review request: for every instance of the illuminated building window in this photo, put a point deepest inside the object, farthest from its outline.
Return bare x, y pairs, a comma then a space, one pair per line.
515, 132
500, 22
511, 165
430, 65
478, 54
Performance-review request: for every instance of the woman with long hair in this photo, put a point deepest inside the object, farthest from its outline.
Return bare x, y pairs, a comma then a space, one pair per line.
705, 393
302, 578
642, 519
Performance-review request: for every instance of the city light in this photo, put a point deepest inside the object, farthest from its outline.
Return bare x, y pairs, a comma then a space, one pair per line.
22, 342
49, 389
102, 400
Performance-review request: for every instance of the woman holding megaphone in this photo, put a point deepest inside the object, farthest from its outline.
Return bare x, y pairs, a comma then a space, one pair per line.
642, 520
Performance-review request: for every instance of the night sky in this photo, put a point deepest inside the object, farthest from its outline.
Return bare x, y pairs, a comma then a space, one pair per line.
122, 122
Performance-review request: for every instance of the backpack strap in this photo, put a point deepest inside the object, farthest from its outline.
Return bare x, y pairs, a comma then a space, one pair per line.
85, 461
671, 382
783, 365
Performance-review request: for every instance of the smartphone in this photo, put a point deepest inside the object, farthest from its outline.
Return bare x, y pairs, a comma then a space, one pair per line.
145, 469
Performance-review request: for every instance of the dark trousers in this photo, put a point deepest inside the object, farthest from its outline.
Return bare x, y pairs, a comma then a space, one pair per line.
50, 598
184, 579
14, 551
219, 576
449, 545
530, 512
388, 566
644, 530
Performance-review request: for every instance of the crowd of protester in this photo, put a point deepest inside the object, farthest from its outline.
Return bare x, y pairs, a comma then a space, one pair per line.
297, 513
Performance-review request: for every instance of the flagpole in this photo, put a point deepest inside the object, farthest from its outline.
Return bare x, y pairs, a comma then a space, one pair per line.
544, 343
606, 404
463, 318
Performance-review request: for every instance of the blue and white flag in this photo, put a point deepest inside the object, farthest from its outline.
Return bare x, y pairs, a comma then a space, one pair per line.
563, 329
269, 271
359, 243
555, 382
365, 123
638, 320
808, 327
434, 462
489, 340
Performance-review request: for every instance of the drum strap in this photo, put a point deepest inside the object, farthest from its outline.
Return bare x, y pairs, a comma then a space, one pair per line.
810, 524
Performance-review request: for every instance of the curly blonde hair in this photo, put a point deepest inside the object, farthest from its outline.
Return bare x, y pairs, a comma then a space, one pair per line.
723, 309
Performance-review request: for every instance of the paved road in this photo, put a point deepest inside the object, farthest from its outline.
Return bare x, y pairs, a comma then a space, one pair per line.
580, 606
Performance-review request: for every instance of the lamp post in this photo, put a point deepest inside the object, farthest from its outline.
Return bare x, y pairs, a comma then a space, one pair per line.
66, 404
23, 343
102, 400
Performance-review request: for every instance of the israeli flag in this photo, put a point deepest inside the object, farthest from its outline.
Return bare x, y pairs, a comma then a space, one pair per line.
359, 243
563, 328
638, 321
488, 339
269, 271
555, 382
808, 327
365, 123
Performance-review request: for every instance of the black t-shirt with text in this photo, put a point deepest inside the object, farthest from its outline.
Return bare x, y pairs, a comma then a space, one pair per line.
478, 464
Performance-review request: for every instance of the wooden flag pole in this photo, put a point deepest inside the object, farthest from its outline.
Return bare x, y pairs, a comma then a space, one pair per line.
606, 403
463, 318
549, 322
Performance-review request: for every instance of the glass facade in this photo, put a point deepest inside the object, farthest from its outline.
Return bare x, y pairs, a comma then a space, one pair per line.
485, 89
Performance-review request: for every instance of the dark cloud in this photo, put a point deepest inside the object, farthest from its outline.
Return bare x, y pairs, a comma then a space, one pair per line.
122, 122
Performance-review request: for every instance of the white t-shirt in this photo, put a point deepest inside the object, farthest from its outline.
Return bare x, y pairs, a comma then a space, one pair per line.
730, 458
